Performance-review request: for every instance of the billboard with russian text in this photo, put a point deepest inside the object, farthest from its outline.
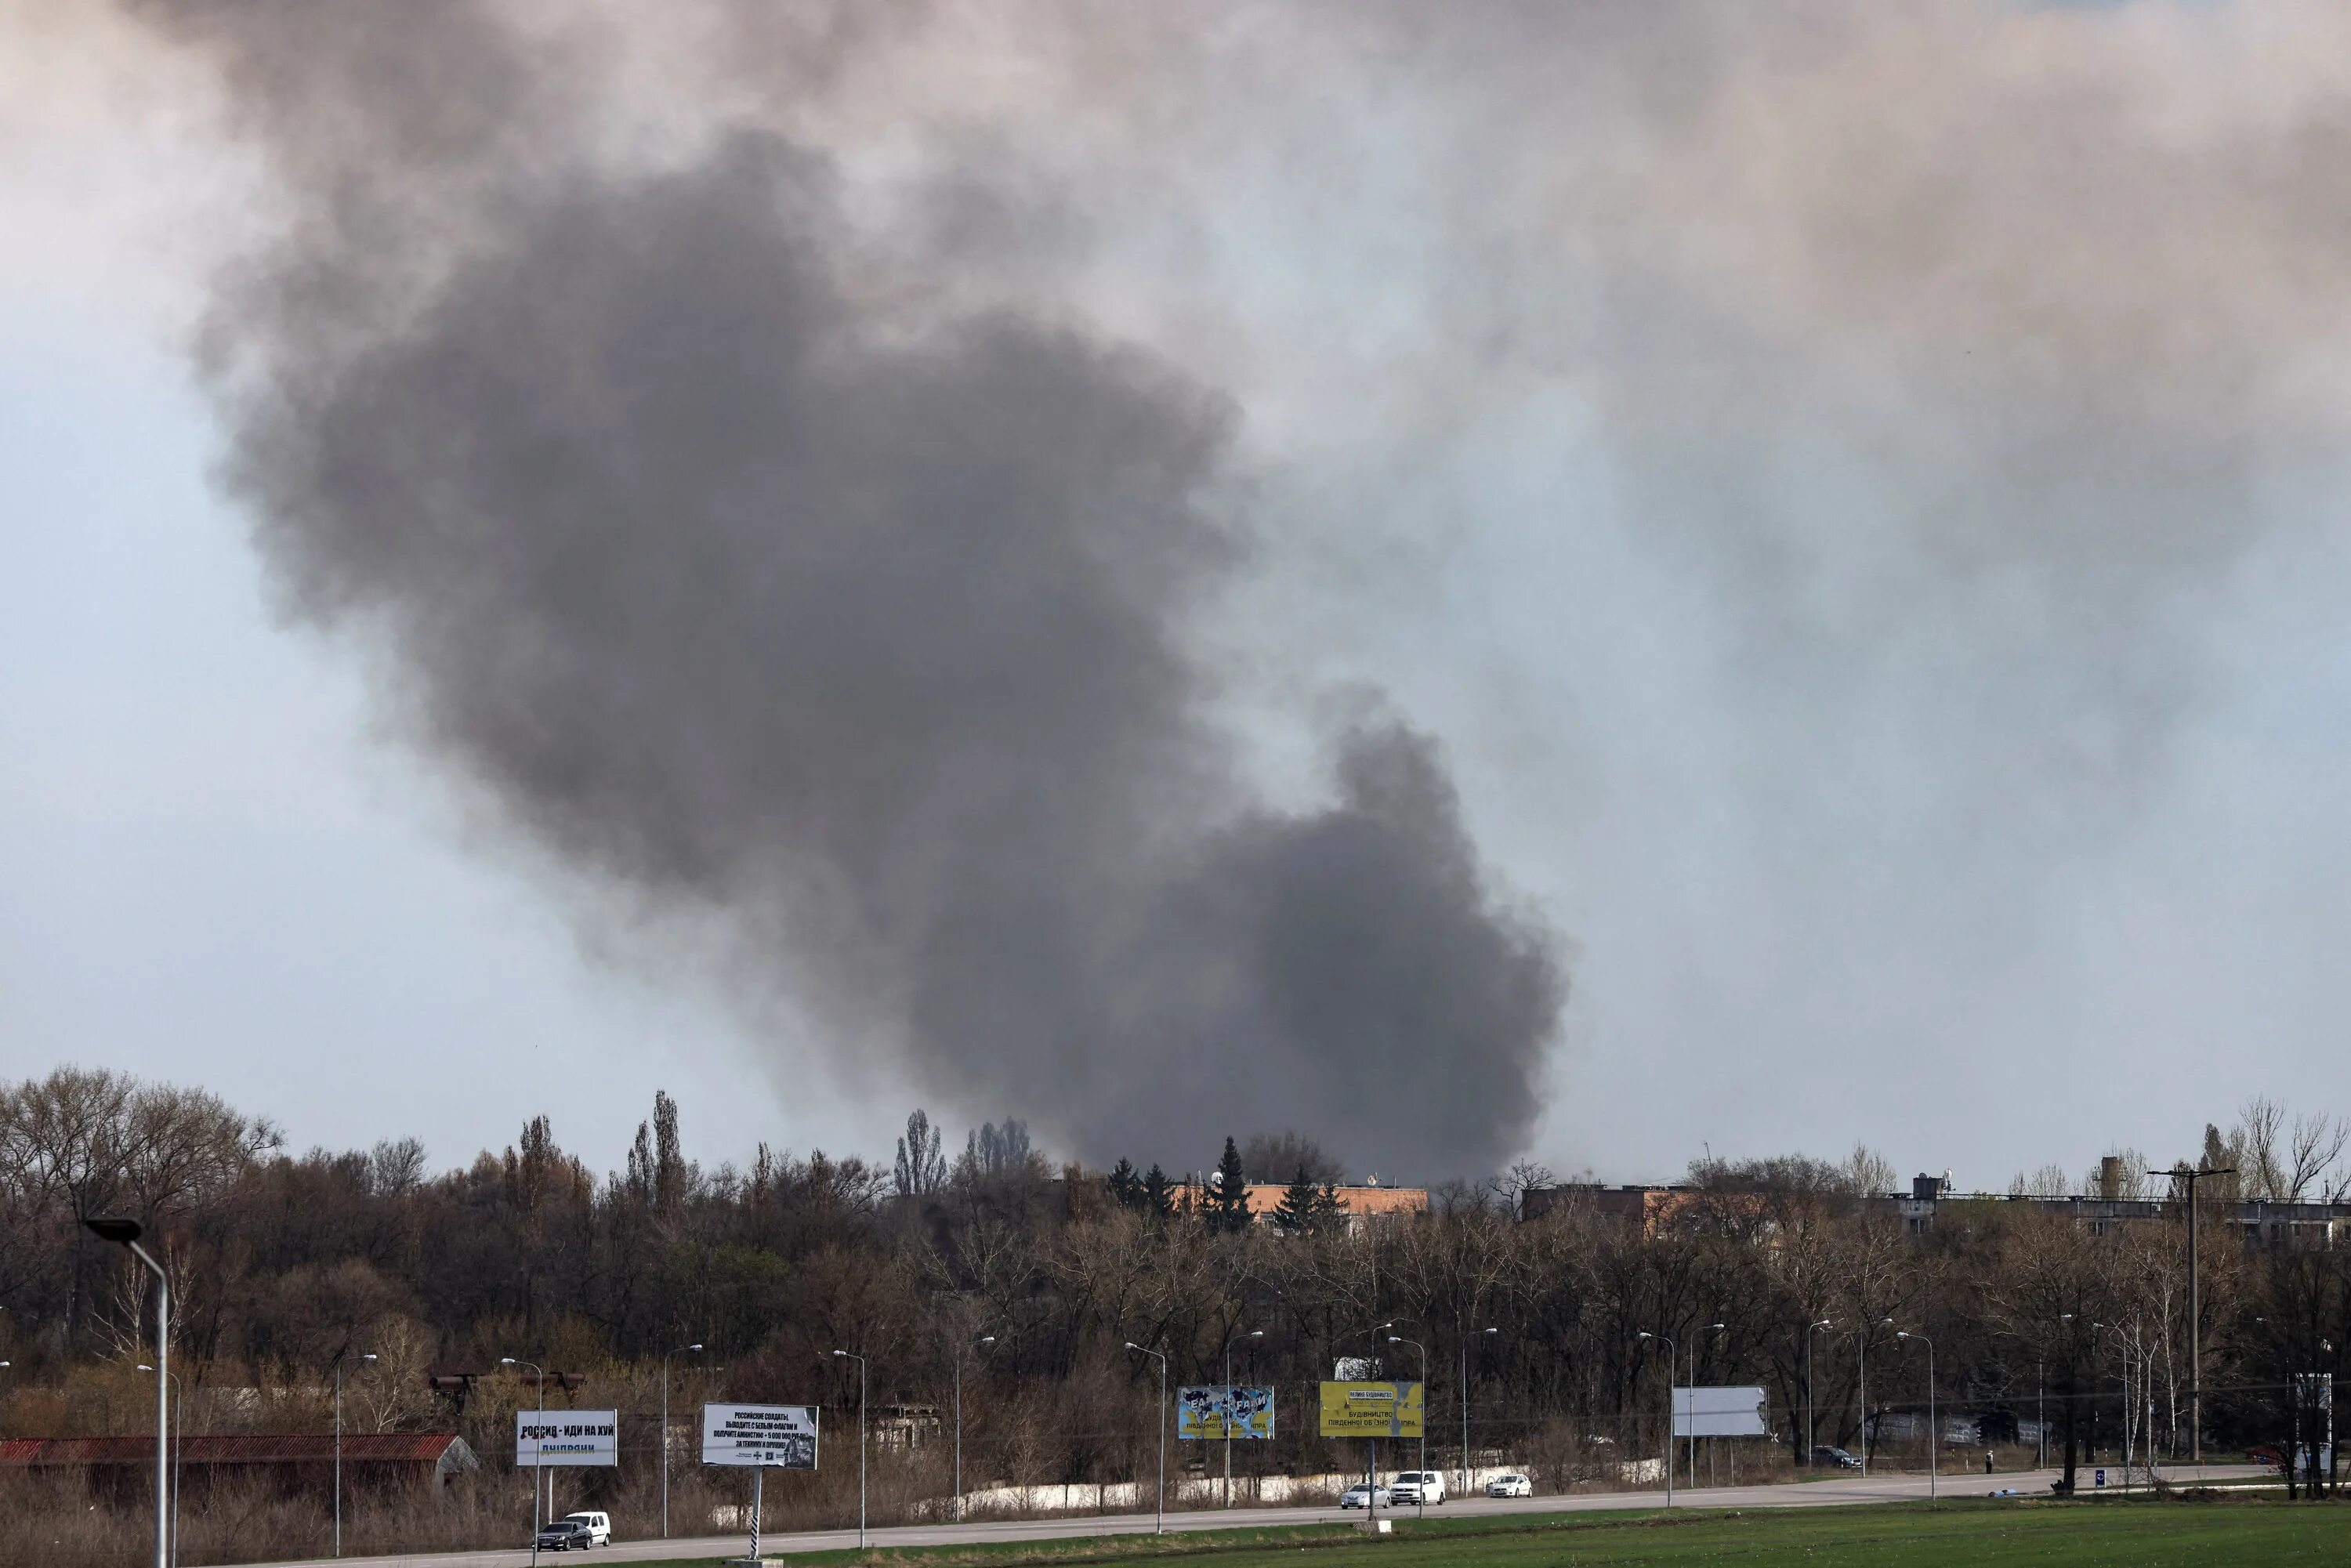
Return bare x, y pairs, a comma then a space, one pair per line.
1372, 1410
544, 1437
759, 1437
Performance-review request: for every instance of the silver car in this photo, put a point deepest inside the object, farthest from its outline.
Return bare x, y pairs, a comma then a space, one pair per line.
1363, 1496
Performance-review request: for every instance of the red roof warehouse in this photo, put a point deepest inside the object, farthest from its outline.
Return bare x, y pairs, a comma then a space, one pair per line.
369, 1458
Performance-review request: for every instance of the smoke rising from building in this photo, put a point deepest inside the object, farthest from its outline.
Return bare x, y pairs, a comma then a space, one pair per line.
861, 627
864, 475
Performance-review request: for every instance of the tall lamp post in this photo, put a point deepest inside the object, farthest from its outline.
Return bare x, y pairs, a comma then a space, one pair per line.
1884, 1323
179, 1449
538, 1450
339, 1447
983, 1341
681, 1350
1464, 1405
125, 1233
851, 1356
1159, 1508
1934, 1433
1811, 1422
1673, 1358
2191, 1175
1253, 1333
1420, 1492
1711, 1328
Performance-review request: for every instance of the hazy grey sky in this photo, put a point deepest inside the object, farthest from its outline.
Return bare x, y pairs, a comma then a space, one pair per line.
1857, 503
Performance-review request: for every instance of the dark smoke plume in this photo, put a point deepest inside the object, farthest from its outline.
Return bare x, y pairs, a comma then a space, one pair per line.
749, 578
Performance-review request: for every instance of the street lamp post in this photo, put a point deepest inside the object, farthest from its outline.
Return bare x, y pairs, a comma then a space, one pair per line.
179, 1448
1711, 1328
1811, 1422
339, 1448
1465, 1406
1934, 1433
1159, 1508
681, 1350
1886, 1322
125, 1233
538, 1450
1672, 1358
1420, 1491
1253, 1333
851, 1356
986, 1339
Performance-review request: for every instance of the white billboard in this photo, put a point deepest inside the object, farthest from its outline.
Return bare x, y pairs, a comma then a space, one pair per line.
1721, 1412
779, 1437
566, 1437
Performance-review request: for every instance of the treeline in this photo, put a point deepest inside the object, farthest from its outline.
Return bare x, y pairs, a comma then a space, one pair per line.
284, 1262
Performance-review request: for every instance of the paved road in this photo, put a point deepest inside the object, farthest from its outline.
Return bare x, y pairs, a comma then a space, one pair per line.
1842, 1490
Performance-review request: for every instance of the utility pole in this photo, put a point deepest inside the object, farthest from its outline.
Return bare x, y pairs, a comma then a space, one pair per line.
1812, 1426
1253, 1333
1464, 1407
2180, 1173
125, 1233
1673, 1358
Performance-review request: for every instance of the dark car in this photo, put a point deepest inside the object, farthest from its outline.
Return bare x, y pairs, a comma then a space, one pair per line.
565, 1535
1835, 1458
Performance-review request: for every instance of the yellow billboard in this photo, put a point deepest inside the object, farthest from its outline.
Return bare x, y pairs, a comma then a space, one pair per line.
1374, 1410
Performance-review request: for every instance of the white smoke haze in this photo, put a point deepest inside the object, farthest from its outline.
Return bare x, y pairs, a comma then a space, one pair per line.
1844, 493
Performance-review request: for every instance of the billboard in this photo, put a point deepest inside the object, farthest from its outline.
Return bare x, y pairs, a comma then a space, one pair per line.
566, 1437
1372, 1410
759, 1437
1219, 1411
1719, 1413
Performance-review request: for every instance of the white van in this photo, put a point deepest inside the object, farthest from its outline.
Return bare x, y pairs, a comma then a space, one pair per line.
599, 1527
1412, 1487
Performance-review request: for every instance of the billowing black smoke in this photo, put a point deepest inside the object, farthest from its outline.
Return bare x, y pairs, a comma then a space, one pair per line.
860, 621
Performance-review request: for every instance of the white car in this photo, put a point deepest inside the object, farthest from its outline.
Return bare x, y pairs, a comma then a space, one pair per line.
1411, 1486
1361, 1496
1512, 1485
600, 1526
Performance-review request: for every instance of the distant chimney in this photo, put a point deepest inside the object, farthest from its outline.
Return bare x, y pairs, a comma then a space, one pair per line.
2110, 1176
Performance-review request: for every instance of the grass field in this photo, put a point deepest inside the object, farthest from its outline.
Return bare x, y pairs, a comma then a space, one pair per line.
1961, 1535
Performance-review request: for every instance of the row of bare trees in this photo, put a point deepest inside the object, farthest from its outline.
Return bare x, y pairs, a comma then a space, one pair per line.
285, 1262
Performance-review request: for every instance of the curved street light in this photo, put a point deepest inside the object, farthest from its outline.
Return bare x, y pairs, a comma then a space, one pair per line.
538, 1451
982, 1341
1253, 1333
125, 1233
1481, 1333
1812, 1421
852, 1355
1159, 1508
1421, 1491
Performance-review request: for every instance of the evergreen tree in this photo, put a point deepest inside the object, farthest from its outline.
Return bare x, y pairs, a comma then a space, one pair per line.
1298, 1211
1329, 1212
1125, 1184
1158, 1193
1227, 1204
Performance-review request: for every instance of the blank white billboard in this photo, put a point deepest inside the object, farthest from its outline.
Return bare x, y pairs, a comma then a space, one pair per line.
1721, 1412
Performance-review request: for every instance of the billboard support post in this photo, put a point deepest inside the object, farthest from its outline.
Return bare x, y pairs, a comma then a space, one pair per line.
758, 1476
